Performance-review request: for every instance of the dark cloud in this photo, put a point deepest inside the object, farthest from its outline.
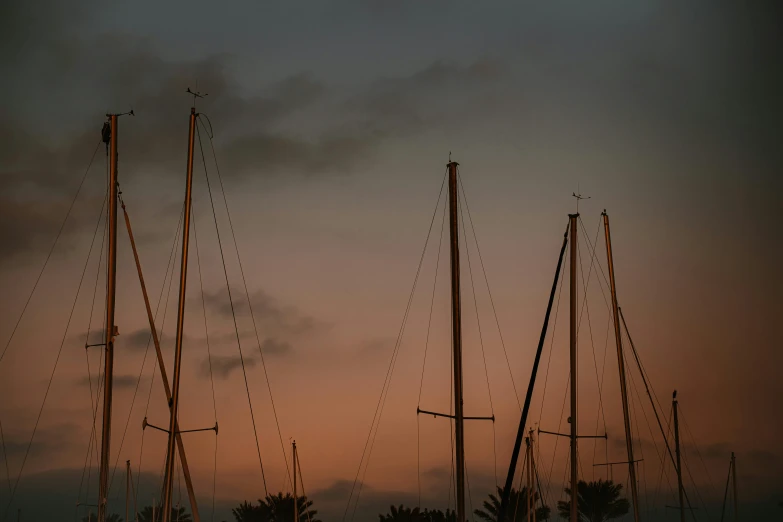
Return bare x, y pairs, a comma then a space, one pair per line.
272, 317
222, 366
273, 346
48, 441
137, 339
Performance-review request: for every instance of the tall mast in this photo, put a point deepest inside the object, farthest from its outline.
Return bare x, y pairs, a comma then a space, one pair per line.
573, 333
456, 326
527, 478
532, 488
183, 461
504, 499
127, 488
296, 504
169, 473
734, 485
621, 367
109, 328
677, 453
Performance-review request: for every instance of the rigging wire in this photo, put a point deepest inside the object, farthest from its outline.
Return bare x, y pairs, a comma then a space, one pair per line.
663, 468
130, 410
481, 340
49, 255
32, 292
660, 454
711, 483
209, 359
301, 481
491, 300
233, 313
426, 347
163, 290
93, 406
389, 372
652, 394
244, 283
56, 363
693, 481
599, 381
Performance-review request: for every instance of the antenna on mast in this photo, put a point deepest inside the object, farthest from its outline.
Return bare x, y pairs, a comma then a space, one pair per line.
578, 195
195, 95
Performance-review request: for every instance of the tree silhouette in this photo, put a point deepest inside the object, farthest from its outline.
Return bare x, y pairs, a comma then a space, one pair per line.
275, 508
436, 515
597, 501
178, 514
517, 506
403, 514
92, 517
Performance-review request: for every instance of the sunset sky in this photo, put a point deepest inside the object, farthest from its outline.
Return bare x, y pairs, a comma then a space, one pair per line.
333, 123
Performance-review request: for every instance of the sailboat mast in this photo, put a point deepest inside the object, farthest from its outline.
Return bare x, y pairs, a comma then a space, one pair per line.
109, 329
734, 485
621, 367
296, 504
456, 325
677, 453
573, 333
127, 488
532, 489
528, 488
169, 474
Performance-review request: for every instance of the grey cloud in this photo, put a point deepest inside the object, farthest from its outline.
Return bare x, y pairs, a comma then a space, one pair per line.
273, 346
431, 97
137, 339
224, 365
48, 441
271, 316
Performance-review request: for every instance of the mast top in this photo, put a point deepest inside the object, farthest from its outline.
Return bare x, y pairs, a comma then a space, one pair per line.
196, 94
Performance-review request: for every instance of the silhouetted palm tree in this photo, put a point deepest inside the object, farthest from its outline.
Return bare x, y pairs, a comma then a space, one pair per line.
178, 514
275, 508
597, 501
517, 506
403, 514
436, 515
92, 517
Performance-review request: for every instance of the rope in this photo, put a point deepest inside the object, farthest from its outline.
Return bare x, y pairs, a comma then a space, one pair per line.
247, 293
426, 347
713, 489
481, 338
301, 481
56, 362
93, 406
233, 314
660, 478
49, 255
163, 289
133, 402
645, 379
389, 372
601, 413
491, 300
209, 359
661, 454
